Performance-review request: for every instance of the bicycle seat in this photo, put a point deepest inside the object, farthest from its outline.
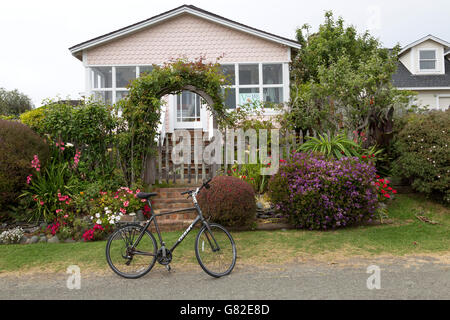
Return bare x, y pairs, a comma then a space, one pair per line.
146, 195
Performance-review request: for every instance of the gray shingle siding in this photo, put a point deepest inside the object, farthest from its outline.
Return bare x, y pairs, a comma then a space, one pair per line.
405, 79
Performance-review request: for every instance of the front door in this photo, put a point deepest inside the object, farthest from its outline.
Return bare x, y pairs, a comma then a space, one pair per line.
189, 111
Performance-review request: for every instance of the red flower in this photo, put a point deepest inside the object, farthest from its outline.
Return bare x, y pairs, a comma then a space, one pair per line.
394, 191
387, 195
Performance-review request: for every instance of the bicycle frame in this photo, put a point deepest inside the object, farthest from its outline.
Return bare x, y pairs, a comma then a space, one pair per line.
185, 233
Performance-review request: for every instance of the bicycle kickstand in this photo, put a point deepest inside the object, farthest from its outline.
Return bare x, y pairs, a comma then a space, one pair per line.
168, 267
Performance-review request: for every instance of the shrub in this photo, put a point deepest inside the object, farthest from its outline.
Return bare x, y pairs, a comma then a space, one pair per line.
18, 145
332, 146
316, 193
34, 119
422, 153
230, 202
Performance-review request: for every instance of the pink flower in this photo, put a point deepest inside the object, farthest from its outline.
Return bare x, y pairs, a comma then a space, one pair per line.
42, 203
123, 210
62, 148
29, 179
58, 210
126, 203
66, 216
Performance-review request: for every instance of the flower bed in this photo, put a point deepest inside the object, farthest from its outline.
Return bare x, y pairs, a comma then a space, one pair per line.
316, 193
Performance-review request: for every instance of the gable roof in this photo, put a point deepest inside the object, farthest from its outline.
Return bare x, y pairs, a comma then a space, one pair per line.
76, 49
405, 79
428, 37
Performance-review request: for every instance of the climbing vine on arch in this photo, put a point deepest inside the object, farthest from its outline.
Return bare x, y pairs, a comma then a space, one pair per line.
141, 109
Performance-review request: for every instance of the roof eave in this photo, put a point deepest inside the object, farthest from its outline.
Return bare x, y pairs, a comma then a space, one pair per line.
428, 37
175, 12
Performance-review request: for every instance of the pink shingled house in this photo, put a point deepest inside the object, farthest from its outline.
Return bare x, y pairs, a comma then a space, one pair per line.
257, 60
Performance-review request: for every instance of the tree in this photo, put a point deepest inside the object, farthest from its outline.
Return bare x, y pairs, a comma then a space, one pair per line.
342, 79
13, 103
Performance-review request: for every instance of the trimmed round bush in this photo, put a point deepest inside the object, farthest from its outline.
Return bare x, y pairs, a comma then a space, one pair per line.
422, 147
18, 145
230, 202
316, 193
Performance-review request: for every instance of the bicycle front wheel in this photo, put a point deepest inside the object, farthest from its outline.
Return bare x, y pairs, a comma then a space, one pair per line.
129, 262
215, 250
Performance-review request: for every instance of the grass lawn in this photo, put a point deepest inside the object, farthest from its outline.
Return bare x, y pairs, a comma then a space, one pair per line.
405, 235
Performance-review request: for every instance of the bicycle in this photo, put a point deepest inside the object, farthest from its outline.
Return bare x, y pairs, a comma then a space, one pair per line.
132, 250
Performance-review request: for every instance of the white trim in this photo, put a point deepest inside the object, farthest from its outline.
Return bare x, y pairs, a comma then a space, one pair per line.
428, 37
432, 71
425, 88
131, 29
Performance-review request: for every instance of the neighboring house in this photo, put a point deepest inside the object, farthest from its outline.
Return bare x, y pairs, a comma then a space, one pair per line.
257, 60
424, 67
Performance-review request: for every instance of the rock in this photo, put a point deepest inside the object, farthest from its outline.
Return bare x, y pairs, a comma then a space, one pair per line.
259, 205
53, 240
34, 239
24, 240
31, 229
43, 239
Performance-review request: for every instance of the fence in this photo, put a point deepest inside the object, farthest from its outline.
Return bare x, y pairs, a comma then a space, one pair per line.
164, 170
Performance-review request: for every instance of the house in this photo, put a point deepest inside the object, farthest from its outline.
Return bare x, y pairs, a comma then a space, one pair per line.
424, 67
257, 61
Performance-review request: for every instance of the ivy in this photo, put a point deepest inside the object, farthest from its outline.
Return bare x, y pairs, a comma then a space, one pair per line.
141, 109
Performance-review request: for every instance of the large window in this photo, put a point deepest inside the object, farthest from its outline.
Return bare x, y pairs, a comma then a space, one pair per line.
427, 60
249, 82
109, 84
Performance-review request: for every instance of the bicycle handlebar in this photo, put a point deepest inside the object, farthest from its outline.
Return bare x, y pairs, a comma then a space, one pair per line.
204, 185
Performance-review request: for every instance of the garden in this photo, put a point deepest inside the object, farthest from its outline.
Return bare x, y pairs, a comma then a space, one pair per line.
369, 175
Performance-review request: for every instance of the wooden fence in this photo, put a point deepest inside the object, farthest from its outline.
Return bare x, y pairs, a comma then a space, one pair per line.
163, 170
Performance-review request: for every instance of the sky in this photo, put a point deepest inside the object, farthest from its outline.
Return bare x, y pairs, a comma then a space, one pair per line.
35, 35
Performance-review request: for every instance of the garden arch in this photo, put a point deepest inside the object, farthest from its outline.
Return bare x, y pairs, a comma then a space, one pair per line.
141, 109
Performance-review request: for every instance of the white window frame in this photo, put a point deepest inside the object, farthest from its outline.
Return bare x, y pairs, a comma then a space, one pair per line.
435, 60
260, 85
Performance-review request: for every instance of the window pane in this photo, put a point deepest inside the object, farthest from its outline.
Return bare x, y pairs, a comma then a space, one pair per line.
228, 71
188, 107
427, 65
273, 95
102, 77
120, 95
248, 95
124, 75
230, 97
248, 74
145, 69
103, 96
427, 54
272, 74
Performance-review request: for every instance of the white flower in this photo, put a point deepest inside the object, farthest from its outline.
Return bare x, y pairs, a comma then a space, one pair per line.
92, 217
108, 211
98, 221
69, 145
106, 208
97, 215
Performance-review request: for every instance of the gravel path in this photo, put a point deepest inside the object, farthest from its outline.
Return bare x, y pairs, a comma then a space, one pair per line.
401, 278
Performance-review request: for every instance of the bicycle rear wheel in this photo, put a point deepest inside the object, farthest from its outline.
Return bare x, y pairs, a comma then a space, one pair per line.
131, 263
215, 250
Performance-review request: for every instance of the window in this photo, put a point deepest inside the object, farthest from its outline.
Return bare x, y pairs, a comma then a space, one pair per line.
272, 74
248, 74
253, 82
427, 59
124, 75
188, 107
101, 77
145, 69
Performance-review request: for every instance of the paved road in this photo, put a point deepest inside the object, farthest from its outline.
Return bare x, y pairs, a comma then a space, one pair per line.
411, 278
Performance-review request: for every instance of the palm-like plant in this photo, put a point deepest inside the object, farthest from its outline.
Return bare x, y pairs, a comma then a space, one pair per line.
331, 146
